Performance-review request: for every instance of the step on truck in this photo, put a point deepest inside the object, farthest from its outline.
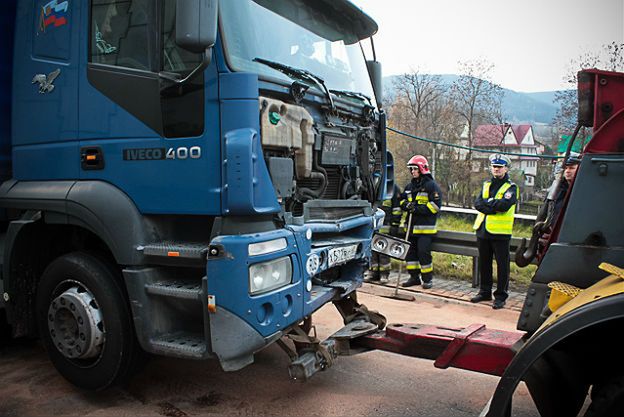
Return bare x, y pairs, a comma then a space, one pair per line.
188, 178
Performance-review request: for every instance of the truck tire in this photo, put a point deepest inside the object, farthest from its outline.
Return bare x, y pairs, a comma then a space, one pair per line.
85, 323
607, 398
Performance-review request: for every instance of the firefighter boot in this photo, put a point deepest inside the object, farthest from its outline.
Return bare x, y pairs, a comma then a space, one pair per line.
414, 279
427, 280
373, 276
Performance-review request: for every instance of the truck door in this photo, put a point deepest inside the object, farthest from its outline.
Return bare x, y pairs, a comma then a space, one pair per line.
45, 103
144, 134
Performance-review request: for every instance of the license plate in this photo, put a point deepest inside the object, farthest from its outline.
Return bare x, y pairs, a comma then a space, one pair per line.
341, 255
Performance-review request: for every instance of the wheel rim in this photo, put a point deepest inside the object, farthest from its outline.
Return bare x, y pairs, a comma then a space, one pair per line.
75, 322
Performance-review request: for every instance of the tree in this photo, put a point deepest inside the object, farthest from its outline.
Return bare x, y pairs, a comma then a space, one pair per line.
477, 99
419, 93
419, 107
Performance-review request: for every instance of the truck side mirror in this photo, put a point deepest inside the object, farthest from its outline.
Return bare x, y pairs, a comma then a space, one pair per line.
374, 72
196, 24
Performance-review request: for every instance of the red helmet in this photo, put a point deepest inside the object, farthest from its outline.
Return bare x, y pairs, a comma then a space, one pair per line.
420, 162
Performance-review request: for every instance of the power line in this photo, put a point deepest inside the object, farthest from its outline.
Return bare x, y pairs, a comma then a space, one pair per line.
452, 145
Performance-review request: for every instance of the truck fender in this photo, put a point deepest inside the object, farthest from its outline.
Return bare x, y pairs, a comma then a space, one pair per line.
540, 346
97, 206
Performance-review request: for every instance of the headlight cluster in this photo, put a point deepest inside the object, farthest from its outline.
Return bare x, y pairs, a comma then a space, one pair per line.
391, 246
267, 276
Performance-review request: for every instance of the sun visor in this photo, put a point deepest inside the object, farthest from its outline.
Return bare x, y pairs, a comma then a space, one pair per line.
334, 20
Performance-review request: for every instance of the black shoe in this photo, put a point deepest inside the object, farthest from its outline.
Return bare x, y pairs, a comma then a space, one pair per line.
385, 277
427, 285
411, 282
373, 276
498, 304
480, 297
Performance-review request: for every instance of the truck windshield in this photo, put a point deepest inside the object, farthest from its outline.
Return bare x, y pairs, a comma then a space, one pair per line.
252, 31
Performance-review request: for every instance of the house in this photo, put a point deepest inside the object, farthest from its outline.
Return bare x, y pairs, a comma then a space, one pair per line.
579, 144
507, 138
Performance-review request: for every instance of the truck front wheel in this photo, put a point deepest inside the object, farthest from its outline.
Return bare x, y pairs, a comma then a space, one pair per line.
85, 323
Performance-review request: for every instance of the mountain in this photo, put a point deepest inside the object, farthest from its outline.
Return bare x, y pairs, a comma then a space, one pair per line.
532, 108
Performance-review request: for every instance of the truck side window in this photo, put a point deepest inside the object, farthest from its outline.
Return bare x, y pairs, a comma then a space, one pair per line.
174, 58
120, 33
182, 108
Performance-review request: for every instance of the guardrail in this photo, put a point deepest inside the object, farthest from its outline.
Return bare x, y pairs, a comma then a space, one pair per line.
461, 210
465, 243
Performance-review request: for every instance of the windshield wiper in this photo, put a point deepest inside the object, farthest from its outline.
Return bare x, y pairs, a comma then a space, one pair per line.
352, 94
300, 74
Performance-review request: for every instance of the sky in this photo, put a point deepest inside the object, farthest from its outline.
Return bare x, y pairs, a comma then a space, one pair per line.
530, 42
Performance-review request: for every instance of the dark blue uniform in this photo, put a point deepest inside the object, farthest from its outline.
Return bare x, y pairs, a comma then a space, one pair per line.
422, 198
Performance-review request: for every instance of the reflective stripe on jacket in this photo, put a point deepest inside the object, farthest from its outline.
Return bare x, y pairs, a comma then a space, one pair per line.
428, 197
498, 223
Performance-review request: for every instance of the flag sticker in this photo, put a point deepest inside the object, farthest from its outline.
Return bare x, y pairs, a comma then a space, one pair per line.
53, 14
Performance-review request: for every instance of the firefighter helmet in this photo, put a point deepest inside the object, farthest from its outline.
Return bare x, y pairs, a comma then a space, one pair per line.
419, 162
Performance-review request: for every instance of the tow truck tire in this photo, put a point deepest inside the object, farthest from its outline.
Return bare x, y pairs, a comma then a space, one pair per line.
85, 323
607, 398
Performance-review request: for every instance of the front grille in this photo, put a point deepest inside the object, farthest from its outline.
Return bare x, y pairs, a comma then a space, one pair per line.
334, 213
331, 211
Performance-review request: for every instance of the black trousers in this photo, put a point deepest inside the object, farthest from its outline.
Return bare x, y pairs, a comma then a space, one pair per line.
419, 260
488, 250
380, 264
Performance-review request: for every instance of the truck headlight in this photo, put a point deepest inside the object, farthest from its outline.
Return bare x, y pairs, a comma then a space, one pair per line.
267, 276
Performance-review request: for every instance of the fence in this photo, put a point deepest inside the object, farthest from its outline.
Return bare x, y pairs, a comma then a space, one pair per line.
465, 243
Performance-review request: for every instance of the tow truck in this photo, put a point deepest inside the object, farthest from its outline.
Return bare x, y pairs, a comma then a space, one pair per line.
567, 344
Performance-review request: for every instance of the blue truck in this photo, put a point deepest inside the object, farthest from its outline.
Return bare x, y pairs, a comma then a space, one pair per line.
188, 178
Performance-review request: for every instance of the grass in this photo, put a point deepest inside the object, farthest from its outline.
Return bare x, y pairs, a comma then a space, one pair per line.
460, 267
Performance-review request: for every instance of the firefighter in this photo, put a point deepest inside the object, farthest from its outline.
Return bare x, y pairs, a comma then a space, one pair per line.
380, 264
496, 204
421, 200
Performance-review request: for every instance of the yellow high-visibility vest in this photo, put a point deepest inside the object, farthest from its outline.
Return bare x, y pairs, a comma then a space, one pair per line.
499, 223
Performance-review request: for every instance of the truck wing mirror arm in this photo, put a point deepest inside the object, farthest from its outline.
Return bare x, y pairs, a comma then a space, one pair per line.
176, 78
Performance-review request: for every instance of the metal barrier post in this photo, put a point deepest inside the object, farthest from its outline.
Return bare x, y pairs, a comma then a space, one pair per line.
476, 277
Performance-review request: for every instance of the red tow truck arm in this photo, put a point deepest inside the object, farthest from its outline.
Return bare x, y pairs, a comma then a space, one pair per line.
474, 348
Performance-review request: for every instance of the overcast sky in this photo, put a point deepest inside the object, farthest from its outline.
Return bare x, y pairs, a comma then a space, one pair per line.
530, 42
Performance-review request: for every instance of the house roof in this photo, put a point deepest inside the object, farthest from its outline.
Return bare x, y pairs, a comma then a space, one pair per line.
520, 131
493, 135
562, 146
488, 135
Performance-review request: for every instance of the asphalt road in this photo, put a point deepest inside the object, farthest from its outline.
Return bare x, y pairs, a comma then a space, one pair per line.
371, 384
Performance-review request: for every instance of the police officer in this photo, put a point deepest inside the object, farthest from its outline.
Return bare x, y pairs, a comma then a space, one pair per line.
496, 204
422, 200
380, 263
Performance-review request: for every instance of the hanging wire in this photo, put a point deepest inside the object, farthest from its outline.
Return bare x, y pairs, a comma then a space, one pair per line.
452, 145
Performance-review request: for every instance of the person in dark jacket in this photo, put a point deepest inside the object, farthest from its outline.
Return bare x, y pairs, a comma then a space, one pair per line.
421, 200
380, 263
496, 204
569, 173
